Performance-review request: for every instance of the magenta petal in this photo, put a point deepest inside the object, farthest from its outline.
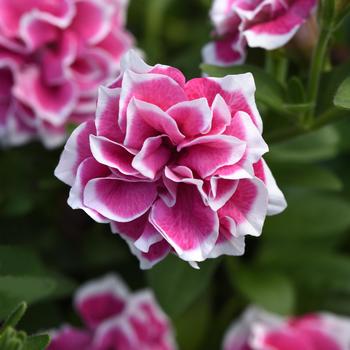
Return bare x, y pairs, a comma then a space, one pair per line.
156, 253
112, 154
279, 28
87, 170
107, 114
115, 334
156, 89
221, 115
75, 151
149, 237
36, 32
206, 154
131, 231
116, 43
14, 12
101, 299
228, 242
238, 91
92, 20
277, 201
190, 227
145, 120
151, 326
52, 103
192, 117
221, 190
171, 72
91, 69
119, 200
56, 61
247, 207
241, 170
244, 129
227, 51
69, 338
152, 157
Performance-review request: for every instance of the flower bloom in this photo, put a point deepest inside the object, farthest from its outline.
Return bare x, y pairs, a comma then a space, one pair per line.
259, 330
53, 57
173, 166
115, 319
268, 24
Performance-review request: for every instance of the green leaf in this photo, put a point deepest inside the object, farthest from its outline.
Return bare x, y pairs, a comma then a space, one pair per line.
309, 215
177, 285
268, 90
296, 91
310, 176
15, 316
189, 337
330, 83
14, 289
342, 96
19, 260
268, 289
319, 145
37, 342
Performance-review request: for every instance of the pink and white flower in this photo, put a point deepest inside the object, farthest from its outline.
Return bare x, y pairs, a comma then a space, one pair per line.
259, 330
173, 166
53, 57
116, 319
268, 24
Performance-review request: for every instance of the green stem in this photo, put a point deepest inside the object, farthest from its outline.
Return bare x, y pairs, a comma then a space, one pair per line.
269, 62
276, 64
331, 115
318, 62
282, 66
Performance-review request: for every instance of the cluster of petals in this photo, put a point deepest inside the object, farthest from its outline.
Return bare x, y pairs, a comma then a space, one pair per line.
259, 330
54, 54
115, 319
173, 166
268, 24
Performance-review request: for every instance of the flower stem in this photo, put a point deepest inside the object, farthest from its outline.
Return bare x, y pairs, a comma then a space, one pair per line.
317, 66
276, 64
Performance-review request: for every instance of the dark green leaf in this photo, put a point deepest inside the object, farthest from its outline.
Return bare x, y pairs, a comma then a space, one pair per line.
342, 97
330, 83
177, 285
189, 337
309, 215
19, 260
14, 289
37, 342
318, 145
296, 91
15, 316
308, 176
270, 290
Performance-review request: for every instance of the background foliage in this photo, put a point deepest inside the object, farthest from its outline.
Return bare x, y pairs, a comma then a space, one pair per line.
300, 264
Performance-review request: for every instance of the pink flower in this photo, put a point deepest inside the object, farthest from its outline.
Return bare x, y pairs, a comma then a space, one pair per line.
268, 24
115, 319
258, 330
173, 166
53, 57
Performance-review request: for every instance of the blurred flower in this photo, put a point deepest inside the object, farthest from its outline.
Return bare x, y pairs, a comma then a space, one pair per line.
259, 330
53, 56
115, 319
174, 166
306, 38
268, 24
